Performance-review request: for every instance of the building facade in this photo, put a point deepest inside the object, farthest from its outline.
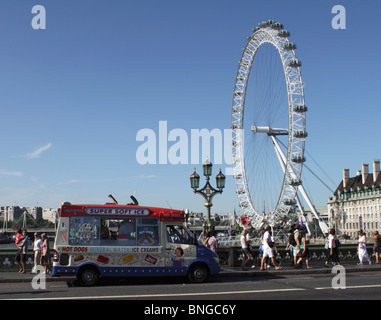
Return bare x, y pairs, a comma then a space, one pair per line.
11, 213
356, 203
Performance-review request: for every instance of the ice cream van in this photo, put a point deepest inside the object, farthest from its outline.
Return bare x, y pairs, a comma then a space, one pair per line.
113, 240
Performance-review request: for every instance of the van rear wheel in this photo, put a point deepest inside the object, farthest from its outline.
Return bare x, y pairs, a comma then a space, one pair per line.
88, 276
198, 273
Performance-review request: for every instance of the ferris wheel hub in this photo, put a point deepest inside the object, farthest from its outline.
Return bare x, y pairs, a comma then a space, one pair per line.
269, 131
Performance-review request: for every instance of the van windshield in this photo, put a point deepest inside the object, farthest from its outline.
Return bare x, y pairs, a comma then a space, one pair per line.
178, 234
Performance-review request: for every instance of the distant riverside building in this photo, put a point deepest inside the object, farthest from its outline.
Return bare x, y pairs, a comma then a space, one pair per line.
11, 213
51, 214
356, 203
35, 212
196, 219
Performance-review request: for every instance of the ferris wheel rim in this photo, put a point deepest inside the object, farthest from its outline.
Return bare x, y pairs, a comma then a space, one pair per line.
270, 32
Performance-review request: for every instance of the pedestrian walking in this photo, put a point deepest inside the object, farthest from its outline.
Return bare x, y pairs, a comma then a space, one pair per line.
268, 252
304, 252
246, 254
377, 245
362, 252
37, 252
332, 248
291, 245
213, 242
297, 240
22, 244
260, 249
206, 236
45, 253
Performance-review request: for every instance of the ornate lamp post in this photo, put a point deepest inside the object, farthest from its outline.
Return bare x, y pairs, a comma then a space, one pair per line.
208, 192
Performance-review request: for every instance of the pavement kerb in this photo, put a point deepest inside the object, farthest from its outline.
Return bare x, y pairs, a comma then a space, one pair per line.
14, 276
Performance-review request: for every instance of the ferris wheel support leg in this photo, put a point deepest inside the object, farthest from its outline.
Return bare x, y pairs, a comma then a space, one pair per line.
303, 215
282, 160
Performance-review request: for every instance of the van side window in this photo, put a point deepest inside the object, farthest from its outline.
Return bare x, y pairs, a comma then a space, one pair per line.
117, 231
148, 232
84, 230
177, 234
110, 231
130, 232
127, 229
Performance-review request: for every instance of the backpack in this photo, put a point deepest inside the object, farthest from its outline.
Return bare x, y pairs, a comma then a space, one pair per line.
291, 240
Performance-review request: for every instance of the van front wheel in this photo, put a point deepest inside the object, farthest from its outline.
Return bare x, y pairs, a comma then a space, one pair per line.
198, 273
88, 276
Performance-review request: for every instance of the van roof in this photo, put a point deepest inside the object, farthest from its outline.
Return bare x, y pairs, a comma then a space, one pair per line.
116, 210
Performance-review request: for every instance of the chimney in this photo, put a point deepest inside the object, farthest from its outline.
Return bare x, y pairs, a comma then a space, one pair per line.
365, 172
358, 173
345, 177
376, 169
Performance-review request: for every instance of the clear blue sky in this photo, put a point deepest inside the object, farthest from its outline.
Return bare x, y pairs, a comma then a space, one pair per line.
74, 96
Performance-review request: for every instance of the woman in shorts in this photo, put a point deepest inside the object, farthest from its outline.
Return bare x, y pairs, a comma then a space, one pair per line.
268, 249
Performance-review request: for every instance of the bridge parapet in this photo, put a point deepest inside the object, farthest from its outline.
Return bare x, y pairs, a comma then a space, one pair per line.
228, 256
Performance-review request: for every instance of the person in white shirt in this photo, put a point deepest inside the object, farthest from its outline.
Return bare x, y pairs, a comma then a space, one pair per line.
332, 249
268, 245
246, 254
37, 252
361, 249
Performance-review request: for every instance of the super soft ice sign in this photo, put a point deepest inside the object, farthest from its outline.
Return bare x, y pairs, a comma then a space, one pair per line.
118, 211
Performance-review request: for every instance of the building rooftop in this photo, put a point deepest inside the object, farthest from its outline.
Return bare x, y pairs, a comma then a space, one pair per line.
361, 181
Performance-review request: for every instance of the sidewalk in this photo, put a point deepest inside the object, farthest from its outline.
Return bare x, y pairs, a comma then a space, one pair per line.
14, 276
289, 270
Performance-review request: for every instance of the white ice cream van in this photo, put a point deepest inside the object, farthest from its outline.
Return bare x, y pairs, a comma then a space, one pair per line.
113, 240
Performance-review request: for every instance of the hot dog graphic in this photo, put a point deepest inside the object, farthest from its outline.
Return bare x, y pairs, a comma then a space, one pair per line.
103, 259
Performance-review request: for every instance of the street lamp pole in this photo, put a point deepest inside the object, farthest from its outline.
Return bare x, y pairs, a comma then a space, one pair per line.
208, 192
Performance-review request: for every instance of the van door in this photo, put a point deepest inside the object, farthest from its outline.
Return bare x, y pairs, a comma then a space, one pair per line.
179, 250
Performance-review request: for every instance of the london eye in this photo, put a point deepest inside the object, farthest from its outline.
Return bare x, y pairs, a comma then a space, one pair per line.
268, 127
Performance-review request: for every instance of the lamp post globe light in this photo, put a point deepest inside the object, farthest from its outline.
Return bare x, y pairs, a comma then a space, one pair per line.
208, 192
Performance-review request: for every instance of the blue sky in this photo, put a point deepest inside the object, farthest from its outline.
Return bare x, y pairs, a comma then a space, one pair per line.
74, 96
